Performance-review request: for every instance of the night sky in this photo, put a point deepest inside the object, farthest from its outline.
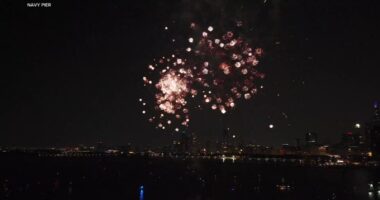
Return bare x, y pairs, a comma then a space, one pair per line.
72, 73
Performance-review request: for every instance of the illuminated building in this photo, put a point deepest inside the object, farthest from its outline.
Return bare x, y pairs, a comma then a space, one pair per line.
373, 132
311, 139
257, 149
288, 149
351, 143
311, 143
228, 141
126, 148
350, 139
194, 143
187, 143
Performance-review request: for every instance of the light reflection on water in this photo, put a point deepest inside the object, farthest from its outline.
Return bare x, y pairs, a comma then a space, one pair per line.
141, 193
367, 188
374, 190
193, 179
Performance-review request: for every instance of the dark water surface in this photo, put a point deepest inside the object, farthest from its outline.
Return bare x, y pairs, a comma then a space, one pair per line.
27, 177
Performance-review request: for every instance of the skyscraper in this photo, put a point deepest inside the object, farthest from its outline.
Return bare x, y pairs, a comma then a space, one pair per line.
229, 141
187, 143
311, 139
373, 132
349, 139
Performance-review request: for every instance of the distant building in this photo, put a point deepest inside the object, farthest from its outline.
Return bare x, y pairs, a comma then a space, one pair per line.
373, 132
257, 149
351, 139
208, 146
348, 139
126, 148
100, 147
176, 147
227, 137
287, 149
311, 139
351, 144
187, 143
194, 143
298, 144
229, 141
311, 143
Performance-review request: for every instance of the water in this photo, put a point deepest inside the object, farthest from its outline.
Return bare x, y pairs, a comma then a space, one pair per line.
141, 196
146, 179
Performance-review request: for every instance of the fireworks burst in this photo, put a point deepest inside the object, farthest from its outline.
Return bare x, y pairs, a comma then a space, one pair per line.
212, 71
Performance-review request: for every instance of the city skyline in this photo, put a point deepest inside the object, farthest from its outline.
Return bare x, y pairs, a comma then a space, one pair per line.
360, 134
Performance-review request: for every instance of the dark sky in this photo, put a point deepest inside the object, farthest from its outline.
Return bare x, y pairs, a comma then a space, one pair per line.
71, 74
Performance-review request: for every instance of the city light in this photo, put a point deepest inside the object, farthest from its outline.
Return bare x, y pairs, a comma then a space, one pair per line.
357, 125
